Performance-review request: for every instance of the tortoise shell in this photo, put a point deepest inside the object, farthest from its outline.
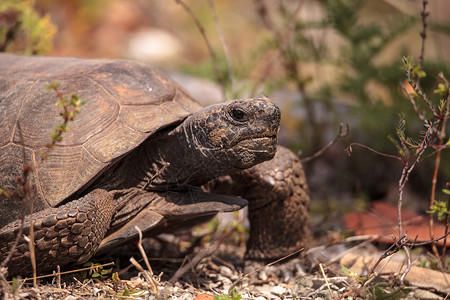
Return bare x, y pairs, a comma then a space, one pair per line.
126, 103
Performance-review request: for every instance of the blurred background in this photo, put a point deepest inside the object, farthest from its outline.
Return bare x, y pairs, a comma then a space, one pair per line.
325, 62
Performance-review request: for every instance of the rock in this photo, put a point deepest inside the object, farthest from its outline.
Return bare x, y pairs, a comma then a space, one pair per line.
153, 46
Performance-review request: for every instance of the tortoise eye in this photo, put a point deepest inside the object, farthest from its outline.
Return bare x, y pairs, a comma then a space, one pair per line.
238, 115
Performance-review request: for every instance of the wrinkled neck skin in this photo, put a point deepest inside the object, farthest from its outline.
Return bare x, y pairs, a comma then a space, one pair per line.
177, 158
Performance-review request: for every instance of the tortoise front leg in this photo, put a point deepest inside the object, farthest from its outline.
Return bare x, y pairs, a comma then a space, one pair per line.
69, 233
278, 204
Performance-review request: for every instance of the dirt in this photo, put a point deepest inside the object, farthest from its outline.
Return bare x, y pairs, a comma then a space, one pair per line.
315, 274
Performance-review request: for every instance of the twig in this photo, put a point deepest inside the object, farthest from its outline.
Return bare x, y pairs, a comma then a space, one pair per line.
58, 276
149, 268
420, 114
141, 269
141, 249
408, 265
283, 40
24, 187
415, 244
263, 13
71, 271
417, 90
437, 161
380, 271
342, 133
213, 55
260, 268
423, 34
71, 108
163, 168
349, 151
447, 220
326, 280
404, 179
226, 51
202, 254
442, 268
391, 250
346, 240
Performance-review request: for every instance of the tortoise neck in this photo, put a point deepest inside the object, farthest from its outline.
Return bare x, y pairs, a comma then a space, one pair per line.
171, 159
184, 160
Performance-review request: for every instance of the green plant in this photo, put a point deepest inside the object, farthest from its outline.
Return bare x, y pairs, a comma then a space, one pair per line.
439, 208
234, 296
70, 108
23, 30
385, 291
352, 274
97, 272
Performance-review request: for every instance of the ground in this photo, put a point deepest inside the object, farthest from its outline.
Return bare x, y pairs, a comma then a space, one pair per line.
198, 265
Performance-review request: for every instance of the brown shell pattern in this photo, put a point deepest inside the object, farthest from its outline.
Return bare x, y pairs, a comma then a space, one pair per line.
127, 102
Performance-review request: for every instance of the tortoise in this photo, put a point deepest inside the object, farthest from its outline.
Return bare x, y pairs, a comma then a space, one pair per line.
142, 152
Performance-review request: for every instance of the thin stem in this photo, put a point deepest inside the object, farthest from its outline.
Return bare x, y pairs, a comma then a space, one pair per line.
390, 251
408, 265
447, 220
342, 133
404, 179
215, 61
282, 40
423, 34
420, 114
226, 51
417, 90
349, 150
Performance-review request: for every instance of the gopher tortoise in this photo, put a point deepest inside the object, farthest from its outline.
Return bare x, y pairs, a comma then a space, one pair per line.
142, 152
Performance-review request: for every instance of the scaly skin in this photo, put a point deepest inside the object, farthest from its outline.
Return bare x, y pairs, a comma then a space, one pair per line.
69, 233
138, 139
217, 140
278, 204
282, 225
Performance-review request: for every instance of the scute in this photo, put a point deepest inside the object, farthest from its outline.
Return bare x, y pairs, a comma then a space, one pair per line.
127, 102
61, 173
134, 84
41, 105
9, 109
113, 142
145, 120
11, 167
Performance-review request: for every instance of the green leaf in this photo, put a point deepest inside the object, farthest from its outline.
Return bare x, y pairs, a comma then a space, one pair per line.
56, 136
126, 292
61, 128
345, 270
445, 191
15, 285
106, 271
234, 296
4, 192
421, 74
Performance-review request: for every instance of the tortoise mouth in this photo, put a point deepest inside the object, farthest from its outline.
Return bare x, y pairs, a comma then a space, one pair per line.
254, 150
258, 143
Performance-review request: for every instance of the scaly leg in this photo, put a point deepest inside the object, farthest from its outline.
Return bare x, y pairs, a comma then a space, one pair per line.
278, 204
69, 233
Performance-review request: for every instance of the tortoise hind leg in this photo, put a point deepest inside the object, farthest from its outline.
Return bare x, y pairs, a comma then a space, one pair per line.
278, 204
69, 233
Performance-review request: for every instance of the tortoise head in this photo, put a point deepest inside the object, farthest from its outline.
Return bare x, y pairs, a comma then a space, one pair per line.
240, 133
